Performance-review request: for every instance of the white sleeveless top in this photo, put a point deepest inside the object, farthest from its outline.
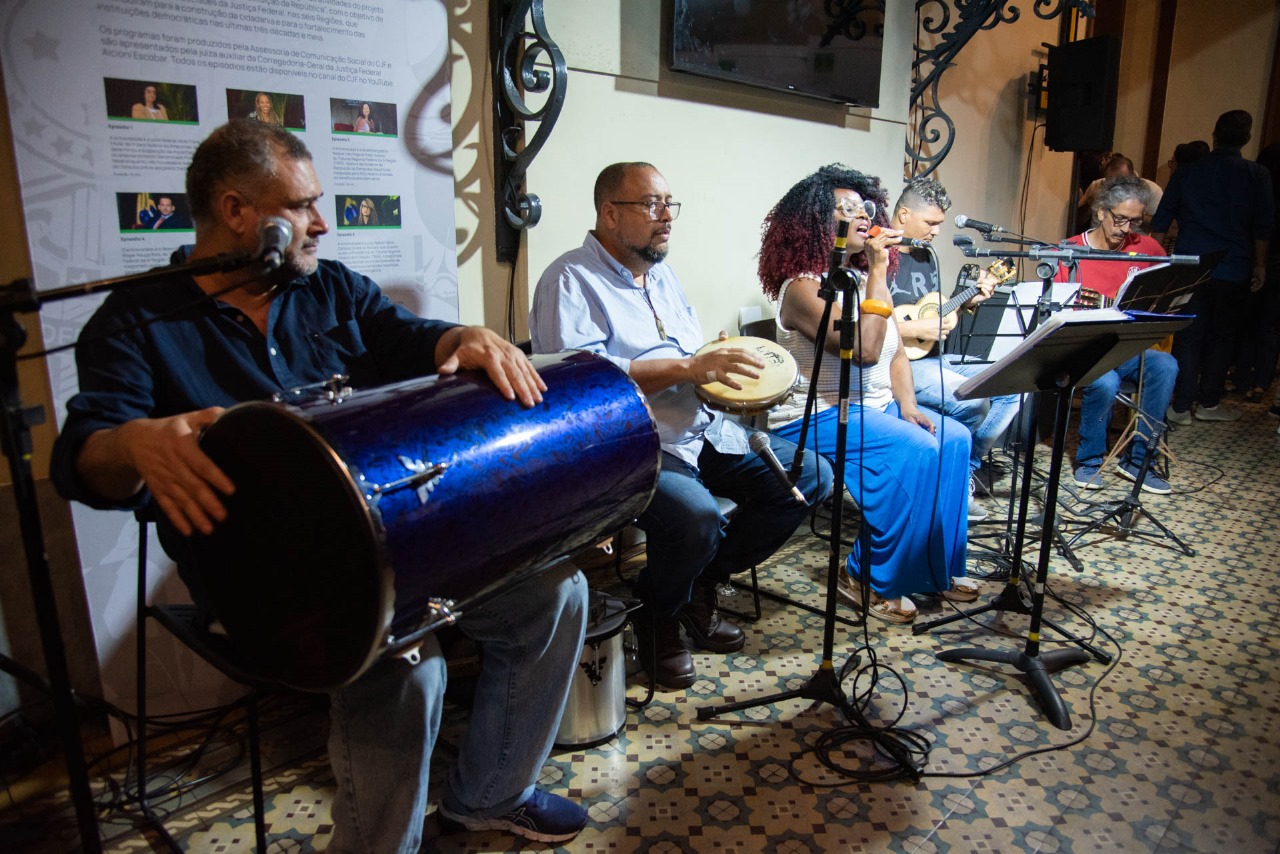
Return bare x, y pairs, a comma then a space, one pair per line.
877, 391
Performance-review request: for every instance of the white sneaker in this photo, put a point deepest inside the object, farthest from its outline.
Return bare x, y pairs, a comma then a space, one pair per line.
1173, 416
1218, 413
976, 511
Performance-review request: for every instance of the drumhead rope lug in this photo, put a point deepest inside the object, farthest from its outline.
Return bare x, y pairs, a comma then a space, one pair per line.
423, 480
334, 389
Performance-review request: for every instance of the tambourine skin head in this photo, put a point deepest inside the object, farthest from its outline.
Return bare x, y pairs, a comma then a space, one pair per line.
777, 379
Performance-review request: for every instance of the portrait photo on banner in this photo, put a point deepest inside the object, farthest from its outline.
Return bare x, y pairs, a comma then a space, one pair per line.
367, 211
274, 108
153, 211
151, 101
376, 118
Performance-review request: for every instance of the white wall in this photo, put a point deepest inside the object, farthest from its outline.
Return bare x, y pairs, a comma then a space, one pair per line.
729, 152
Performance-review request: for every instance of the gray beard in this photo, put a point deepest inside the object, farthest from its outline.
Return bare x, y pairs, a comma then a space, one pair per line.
653, 256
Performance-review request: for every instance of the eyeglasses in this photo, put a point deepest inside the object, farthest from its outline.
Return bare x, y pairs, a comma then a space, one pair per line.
655, 207
851, 209
1122, 221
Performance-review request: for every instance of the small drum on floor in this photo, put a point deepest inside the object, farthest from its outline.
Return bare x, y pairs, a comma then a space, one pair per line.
364, 520
778, 377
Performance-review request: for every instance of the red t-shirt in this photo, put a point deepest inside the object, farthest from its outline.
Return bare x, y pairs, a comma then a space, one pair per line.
1106, 277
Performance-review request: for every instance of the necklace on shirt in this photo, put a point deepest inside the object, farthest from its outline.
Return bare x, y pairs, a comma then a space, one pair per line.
662, 331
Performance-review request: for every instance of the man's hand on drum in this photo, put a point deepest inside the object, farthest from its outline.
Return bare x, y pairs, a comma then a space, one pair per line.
478, 348
165, 453
721, 363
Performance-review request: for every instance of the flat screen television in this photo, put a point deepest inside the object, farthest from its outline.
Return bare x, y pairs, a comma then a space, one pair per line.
828, 49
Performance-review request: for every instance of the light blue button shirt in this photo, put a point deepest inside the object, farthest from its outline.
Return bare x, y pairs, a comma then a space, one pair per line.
587, 300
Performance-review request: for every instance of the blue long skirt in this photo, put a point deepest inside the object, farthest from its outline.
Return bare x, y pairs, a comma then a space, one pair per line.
917, 510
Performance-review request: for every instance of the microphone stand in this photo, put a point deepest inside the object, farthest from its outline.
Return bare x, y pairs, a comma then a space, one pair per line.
824, 685
16, 422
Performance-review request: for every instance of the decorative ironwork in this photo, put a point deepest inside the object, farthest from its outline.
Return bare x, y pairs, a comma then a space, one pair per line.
516, 53
931, 123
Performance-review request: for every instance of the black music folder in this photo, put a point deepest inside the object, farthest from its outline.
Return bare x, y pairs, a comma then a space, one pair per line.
1165, 288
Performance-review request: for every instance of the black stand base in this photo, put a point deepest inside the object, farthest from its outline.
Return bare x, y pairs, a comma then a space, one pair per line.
1129, 510
1038, 667
822, 687
1009, 600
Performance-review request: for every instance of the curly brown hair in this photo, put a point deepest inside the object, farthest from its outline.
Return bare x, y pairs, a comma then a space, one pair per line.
798, 234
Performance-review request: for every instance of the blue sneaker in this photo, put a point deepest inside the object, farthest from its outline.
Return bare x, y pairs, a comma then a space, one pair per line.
1088, 477
544, 817
1151, 483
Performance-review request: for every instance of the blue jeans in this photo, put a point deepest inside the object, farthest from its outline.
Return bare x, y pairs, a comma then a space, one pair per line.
687, 538
1095, 409
383, 726
986, 418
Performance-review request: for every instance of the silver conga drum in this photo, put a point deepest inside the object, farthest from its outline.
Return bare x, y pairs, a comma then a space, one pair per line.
362, 521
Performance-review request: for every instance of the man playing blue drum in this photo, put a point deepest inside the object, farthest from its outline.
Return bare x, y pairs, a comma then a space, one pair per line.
158, 364
615, 296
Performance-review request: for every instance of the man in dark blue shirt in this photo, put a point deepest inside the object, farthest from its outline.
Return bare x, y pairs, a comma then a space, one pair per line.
1221, 202
131, 436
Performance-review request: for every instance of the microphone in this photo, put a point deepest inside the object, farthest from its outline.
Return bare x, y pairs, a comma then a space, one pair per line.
275, 233
906, 241
759, 443
963, 221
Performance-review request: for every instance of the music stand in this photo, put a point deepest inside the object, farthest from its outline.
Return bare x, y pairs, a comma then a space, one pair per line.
1070, 349
1161, 289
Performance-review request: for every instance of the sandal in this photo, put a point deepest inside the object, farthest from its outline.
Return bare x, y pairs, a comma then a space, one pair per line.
889, 610
962, 590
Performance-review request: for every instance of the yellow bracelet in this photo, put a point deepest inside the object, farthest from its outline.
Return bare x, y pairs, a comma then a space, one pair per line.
877, 307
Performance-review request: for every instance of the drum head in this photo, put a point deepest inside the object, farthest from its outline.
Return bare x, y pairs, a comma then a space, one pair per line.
776, 380
297, 573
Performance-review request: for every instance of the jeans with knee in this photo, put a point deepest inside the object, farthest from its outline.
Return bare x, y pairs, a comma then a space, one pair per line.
686, 536
987, 419
383, 726
1158, 377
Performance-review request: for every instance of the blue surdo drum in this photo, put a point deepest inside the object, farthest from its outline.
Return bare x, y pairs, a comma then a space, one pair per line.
363, 520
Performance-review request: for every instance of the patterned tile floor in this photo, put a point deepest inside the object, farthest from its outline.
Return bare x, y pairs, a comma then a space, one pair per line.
1174, 746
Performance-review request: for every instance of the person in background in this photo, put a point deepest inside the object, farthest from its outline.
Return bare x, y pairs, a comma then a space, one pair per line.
1184, 153
1220, 202
1260, 344
618, 297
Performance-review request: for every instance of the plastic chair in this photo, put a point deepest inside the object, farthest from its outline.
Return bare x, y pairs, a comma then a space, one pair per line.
187, 623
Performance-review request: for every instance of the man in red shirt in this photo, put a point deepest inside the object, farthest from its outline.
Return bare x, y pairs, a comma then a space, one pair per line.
1117, 209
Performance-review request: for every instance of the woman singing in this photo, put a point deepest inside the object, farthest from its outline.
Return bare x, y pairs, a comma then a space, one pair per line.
908, 476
